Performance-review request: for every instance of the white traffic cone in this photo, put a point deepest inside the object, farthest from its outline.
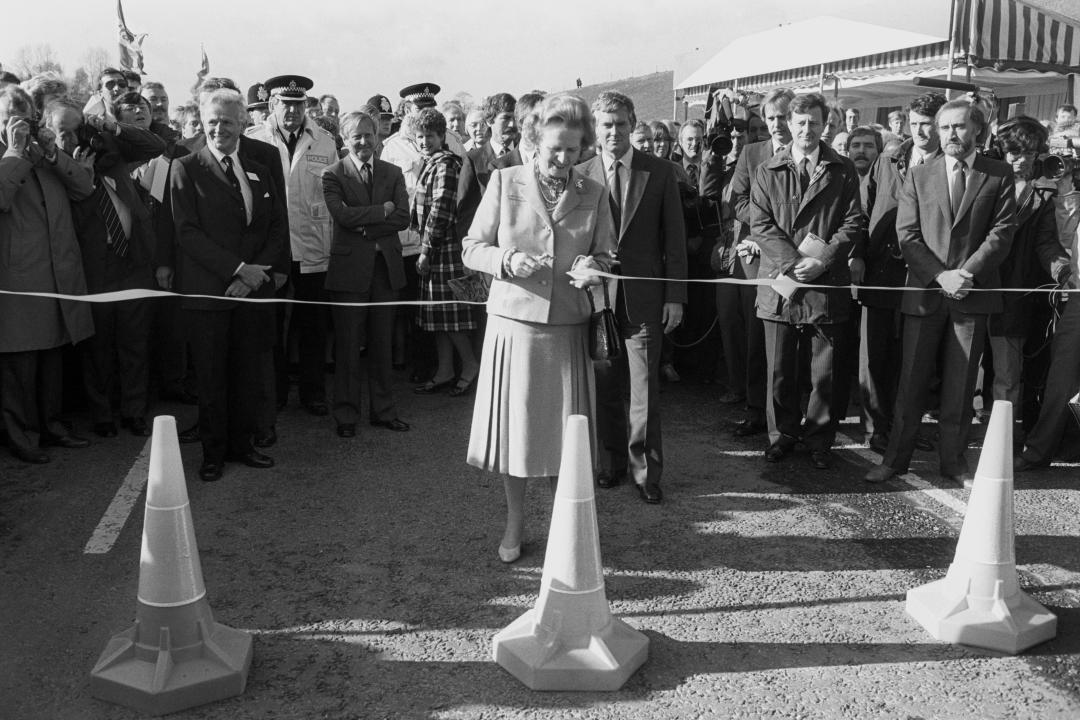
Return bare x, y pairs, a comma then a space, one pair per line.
175, 656
979, 601
570, 641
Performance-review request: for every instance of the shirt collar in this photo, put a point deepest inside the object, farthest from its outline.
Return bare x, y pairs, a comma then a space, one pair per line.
812, 156
950, 161
360, 163
220, 156
495, 148
627, 157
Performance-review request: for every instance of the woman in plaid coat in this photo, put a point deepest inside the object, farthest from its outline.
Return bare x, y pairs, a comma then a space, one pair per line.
434, 216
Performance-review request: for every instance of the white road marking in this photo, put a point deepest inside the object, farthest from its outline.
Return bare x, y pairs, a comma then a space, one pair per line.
116, 515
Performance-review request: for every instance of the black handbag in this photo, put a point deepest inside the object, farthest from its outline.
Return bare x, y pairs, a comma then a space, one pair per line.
603, 329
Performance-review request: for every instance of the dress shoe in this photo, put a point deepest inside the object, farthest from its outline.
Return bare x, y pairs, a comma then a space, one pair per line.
396, 425
136, 425
431, 387
30, 454
71, 442
509, 555
777, 452
732, 397
746, 428
1022, 464
105, 429
346, 430
463, 387
650, 494
964, 479
191, 435
210, 472
606, 479
880, 473
253, 459
265, 439
879, 443
317, 408
821, 459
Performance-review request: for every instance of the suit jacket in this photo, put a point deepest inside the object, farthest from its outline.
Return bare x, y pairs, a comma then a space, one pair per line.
475, 172
977, 239
212, 230
512, 214
510, 159
885, 264
782, 217
652, 239
360, 226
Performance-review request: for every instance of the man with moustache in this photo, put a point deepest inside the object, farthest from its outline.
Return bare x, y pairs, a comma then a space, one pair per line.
741, 331
880, 350
806, 217
232, 240
524, 152
644, 203
955, 224
304, 151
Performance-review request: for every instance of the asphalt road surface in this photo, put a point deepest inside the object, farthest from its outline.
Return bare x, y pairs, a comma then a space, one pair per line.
367, 571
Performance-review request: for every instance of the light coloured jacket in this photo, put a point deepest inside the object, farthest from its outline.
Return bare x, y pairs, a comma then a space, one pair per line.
310, 225
512, 215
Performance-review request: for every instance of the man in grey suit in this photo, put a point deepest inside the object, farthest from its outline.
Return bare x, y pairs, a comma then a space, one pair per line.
955, 224
644, 203
368, 202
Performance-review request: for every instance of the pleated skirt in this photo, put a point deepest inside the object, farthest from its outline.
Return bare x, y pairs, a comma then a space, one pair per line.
532, 377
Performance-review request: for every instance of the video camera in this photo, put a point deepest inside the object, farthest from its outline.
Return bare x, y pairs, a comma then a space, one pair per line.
725, 111
1063, 159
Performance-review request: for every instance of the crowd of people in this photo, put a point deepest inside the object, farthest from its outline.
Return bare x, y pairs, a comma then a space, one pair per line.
277, 193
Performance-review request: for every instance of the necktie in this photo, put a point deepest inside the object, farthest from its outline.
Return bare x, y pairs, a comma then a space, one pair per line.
115, 229
959, 182
694, 174
231, 174
291, 144
804, 175
615, 196
365, 177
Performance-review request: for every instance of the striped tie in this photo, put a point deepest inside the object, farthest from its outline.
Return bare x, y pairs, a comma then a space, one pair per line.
115, 229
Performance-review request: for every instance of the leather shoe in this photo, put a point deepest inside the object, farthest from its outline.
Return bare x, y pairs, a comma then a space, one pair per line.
396, 425
509, 555
253, 459
431, 387
746, 428
1022, 464
463, 387
210, 472
964, 479
879, 443
191, 435
346, 430
30, 455
650, 494
317, 408
607, 479
777, 452
880, 473
136, 425
105, 429
265, 439
71, 442
731, 397
821, 459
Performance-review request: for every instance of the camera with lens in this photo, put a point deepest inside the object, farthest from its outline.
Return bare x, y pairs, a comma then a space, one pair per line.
89, 138
725, 112
1063, 160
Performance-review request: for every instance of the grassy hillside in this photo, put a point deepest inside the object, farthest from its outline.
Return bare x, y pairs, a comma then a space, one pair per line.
651, 93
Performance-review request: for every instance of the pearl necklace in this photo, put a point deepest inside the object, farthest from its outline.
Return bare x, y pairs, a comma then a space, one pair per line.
551, 188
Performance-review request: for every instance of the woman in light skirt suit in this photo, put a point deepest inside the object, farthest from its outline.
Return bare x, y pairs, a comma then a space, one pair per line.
537, 222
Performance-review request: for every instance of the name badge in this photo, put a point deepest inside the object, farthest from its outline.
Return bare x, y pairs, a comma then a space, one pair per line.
253, 176
323, 159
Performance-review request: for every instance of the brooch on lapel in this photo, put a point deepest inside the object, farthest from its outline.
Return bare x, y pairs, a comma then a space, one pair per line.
580, 184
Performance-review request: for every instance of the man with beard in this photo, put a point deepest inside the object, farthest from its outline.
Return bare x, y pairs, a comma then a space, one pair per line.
880, 349
955, 224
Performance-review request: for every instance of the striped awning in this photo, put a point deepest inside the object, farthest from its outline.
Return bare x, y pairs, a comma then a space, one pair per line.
1013, 35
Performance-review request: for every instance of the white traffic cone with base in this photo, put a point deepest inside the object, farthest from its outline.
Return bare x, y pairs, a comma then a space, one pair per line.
175, 656
570, 641
979, 601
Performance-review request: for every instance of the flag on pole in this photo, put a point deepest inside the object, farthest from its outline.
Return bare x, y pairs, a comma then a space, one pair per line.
203, 72
131, 54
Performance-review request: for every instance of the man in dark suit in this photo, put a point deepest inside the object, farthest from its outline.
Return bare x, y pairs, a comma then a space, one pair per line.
880, 349
367, 199
644, 203
523, 152
955, 224
741, 330
480, 162
805, 216
232, 239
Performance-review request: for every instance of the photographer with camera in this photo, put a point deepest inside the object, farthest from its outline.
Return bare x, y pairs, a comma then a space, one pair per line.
38, 181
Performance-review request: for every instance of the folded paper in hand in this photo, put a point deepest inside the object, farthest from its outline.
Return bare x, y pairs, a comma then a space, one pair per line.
811, 246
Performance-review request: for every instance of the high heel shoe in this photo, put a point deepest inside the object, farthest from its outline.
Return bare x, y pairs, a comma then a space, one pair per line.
509, 555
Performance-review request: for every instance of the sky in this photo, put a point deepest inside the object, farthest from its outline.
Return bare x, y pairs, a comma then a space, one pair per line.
476, 46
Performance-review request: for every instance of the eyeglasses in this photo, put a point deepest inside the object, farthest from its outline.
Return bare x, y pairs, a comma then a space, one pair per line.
114, 84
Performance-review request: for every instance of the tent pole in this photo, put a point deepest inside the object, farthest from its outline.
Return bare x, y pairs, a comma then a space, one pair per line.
952, 41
